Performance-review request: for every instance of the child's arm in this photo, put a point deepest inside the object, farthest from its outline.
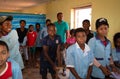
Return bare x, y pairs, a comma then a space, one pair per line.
113, 67
59, 56
103, 69
73, 71
45, 49
89, 72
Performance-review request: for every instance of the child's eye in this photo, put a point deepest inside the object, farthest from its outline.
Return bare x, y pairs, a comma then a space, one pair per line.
4, 52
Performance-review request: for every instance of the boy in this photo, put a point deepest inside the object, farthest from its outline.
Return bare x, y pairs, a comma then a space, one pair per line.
10, 36
8, 69
31, 40
50, 53
79, 57
86, 27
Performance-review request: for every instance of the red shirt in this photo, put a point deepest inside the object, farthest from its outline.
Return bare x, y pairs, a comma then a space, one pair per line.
7, 73
31, 38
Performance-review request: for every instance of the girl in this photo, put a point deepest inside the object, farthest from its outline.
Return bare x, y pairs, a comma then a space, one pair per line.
116, 50
71, 40
11, 38
101, 48
31, 39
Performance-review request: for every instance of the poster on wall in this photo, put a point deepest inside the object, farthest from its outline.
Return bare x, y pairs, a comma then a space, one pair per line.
29, 18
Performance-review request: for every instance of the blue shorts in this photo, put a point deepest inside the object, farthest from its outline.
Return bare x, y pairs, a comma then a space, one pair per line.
44, 66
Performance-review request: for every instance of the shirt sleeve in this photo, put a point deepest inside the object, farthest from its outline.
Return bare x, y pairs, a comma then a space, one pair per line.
13, 39
91, 57
16, 71
91, 44
114, 55
69, 58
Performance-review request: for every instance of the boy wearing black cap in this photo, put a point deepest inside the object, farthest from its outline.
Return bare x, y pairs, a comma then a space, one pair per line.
11, 38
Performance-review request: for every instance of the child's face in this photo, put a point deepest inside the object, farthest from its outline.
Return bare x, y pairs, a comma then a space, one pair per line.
38, 27
118, 42
51, 31
22, 24
31, 28
102, 30
47, 23
6, 26
4, 54
86, 25
81, 37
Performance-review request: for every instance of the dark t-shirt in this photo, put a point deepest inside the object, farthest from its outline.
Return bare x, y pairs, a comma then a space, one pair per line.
52, 45
21, 34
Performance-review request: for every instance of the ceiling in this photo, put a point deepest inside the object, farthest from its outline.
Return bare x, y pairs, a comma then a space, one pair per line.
19, 4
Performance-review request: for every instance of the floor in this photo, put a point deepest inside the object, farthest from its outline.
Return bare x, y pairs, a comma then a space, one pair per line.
32, 73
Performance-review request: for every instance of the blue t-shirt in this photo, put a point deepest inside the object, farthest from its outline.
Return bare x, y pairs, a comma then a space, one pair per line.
52, 45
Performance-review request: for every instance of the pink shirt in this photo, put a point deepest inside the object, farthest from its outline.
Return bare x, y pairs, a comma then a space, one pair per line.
71, 40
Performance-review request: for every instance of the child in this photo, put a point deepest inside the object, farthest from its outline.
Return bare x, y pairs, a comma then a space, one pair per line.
79, 57
11, 38
101, 48
38, 45
71, 40
116, 50
31, 40
8, 69
51, 44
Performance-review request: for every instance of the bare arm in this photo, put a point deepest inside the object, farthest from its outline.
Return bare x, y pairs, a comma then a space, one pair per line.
103, 69
59, 56
89, 72
67, 34
73, 71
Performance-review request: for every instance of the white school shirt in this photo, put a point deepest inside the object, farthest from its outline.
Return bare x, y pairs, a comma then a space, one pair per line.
78, 59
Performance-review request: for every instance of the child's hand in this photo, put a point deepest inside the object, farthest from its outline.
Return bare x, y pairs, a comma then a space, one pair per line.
78, 78
105, 70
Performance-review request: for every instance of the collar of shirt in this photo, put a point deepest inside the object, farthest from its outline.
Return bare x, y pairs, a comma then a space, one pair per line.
86, 50
4, 69
107, 41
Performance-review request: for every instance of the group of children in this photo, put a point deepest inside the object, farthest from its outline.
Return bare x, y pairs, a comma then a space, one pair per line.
93, 60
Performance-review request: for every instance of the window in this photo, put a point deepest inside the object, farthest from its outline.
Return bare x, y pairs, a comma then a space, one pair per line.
79, 14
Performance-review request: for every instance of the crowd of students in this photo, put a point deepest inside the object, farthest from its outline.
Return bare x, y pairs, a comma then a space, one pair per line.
87, 54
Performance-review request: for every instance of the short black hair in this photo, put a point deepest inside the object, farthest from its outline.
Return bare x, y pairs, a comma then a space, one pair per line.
116, 36
31, 25
51, 25
79, 30
22, 21
72, 31
59, 13
37, 24
48, 20
86, 20
2, 43
101, 21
